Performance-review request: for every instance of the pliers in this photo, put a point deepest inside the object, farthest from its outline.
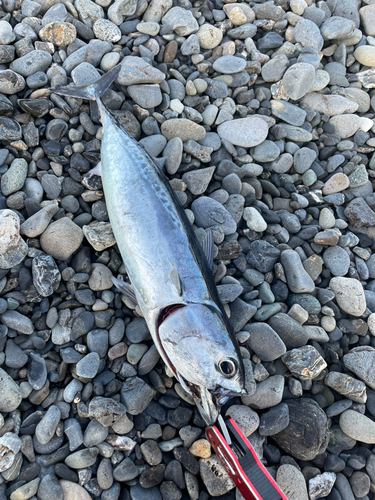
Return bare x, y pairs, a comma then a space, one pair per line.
240, 461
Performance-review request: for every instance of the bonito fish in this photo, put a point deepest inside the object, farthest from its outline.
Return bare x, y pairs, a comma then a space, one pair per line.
169, 272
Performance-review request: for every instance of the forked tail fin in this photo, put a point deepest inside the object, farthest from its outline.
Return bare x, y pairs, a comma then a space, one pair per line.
92, 91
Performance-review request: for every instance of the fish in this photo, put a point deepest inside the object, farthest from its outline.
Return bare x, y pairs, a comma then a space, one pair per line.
170, 272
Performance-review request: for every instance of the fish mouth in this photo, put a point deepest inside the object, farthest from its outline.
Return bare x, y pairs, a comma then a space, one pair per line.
209, 402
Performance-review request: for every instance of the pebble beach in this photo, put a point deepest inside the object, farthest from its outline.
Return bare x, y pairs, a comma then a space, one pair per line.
262, 117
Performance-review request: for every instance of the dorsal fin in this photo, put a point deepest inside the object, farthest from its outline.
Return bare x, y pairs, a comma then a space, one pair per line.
208, 248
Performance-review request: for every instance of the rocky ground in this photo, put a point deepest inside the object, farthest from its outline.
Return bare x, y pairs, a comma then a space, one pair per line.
262, 116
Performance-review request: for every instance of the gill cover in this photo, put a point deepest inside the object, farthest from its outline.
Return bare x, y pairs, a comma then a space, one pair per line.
198, 345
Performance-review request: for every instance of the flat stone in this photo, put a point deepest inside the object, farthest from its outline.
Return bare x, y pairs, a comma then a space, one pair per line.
245, 132
331, 104
17, 321
348, 124
289, 330
274, 69
36, 371
335, 184
274, 420
14, 178
229, 64
146, 96
268, 393
46, 428
83, 458
304, 362
358, 426
37, 60
38, 223
197, 180
347, 386
26, 490
183, 128
88, 11
337, 260
91, 53
265, 342
307, 33
210, 213
349, 295
337, 28
360, 360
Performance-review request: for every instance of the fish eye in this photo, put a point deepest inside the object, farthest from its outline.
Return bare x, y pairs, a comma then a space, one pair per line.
228, 367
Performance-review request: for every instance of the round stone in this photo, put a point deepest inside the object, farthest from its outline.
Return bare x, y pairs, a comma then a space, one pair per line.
349, 295
182, 128
61, 239
209, 36
106, 30
365, 54
298, 80
229, 64
357, 426
58, 33
244, 132
246, 418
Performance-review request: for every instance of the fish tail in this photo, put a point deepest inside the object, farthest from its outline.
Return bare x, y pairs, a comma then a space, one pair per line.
94, 91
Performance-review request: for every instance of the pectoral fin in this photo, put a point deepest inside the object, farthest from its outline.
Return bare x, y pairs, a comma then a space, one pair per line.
174, 278
208, 248
97, 170
126, 289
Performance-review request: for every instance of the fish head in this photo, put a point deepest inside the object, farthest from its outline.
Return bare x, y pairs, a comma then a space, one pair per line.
204, 356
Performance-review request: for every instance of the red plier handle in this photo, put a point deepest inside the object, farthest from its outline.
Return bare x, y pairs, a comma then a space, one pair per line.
242, 464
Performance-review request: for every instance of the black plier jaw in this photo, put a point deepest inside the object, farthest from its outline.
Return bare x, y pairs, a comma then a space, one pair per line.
240, 461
